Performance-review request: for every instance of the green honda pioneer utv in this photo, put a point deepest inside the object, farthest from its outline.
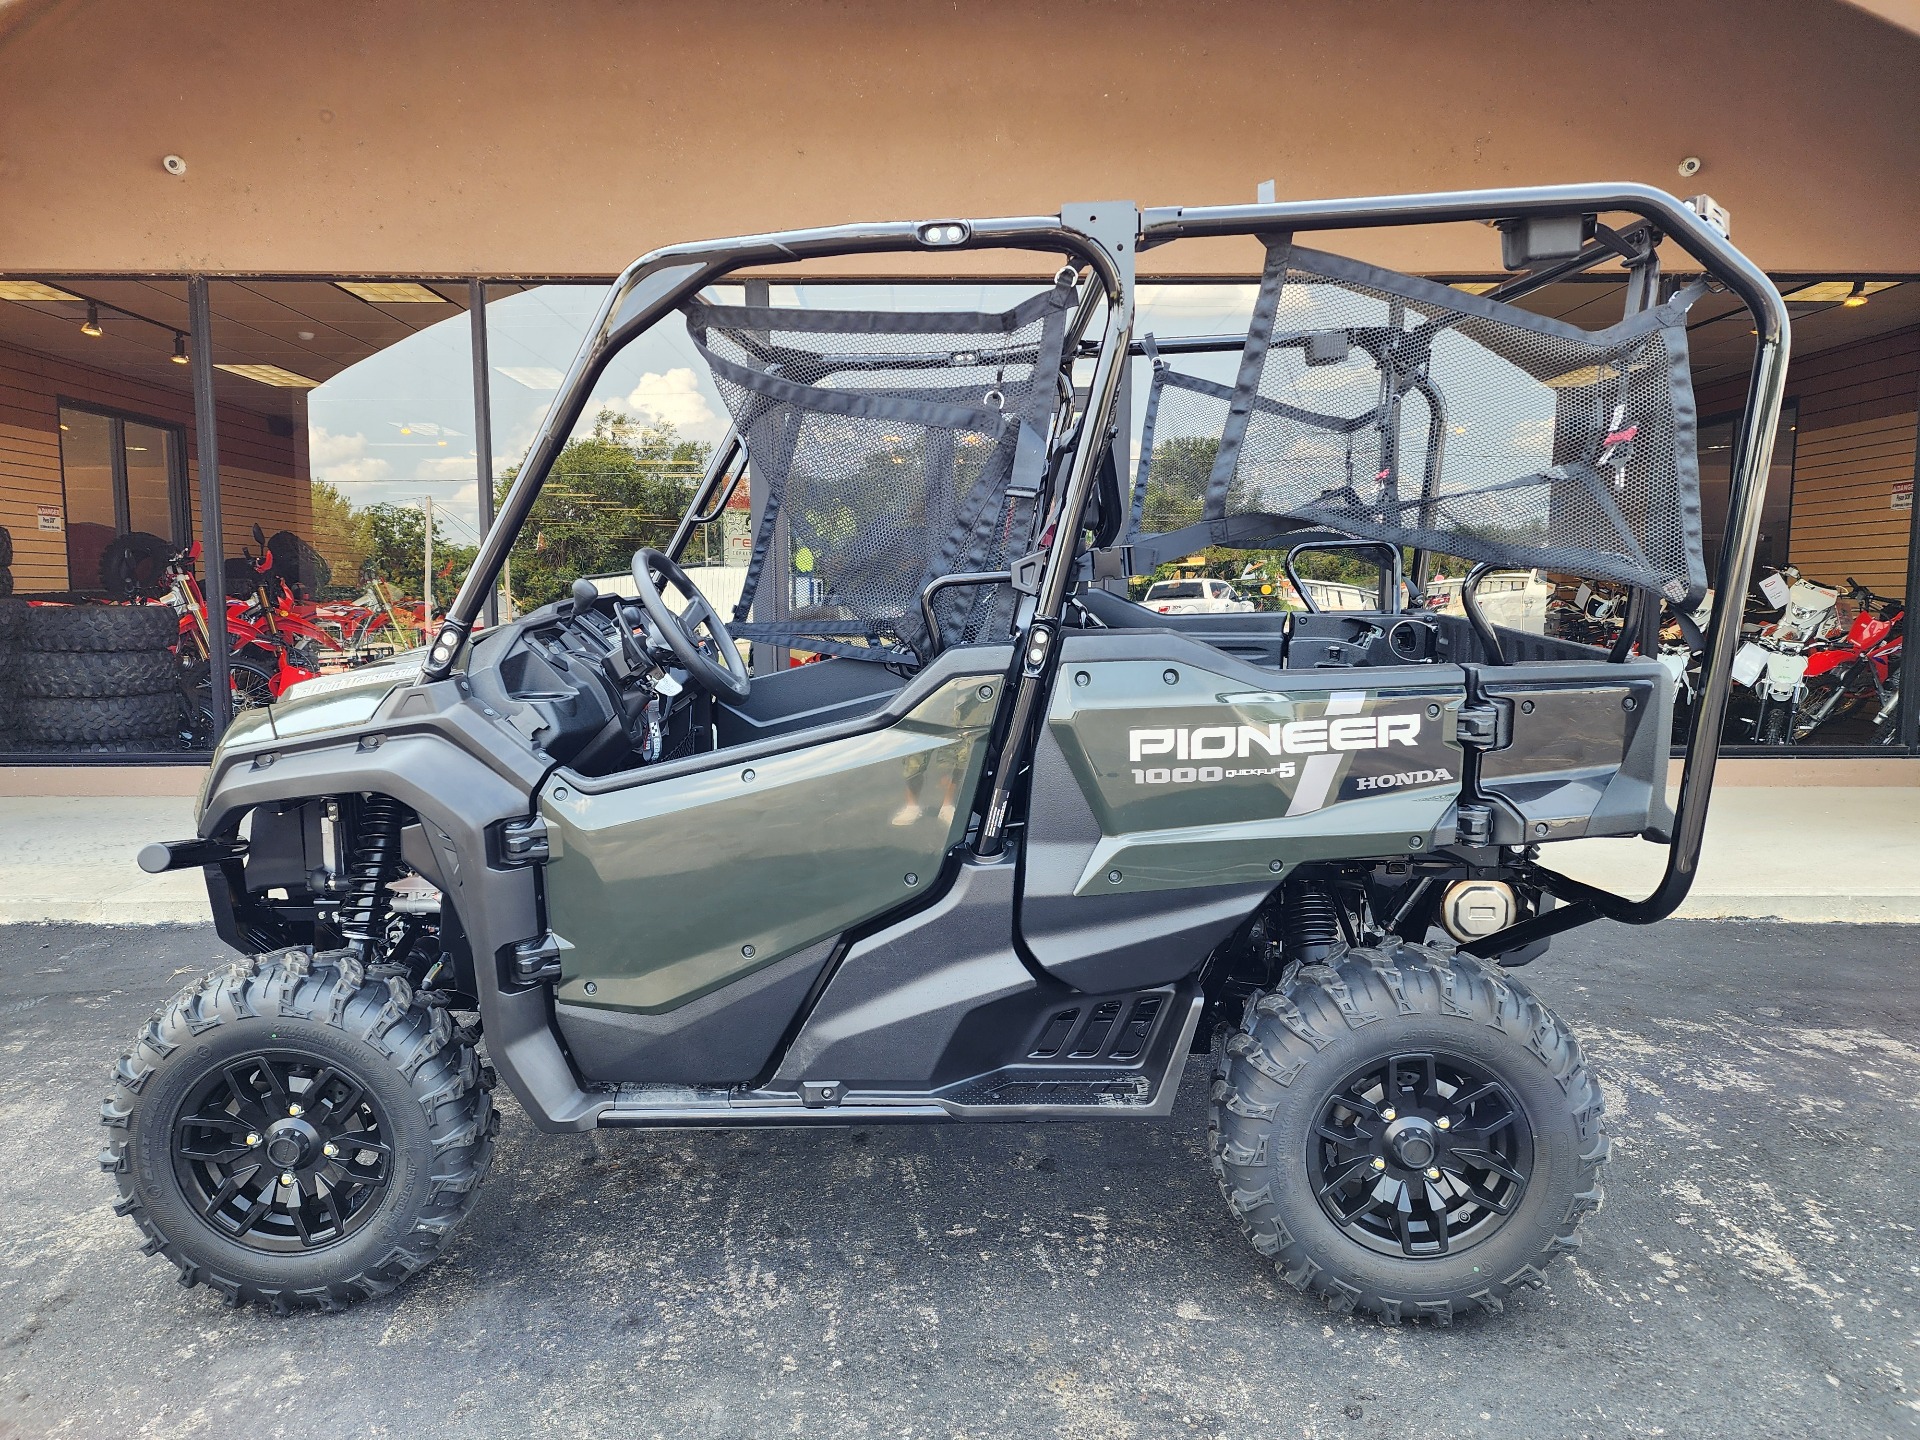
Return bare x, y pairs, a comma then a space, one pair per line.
1016, 847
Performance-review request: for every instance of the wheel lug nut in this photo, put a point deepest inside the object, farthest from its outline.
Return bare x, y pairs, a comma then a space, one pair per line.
329, 1149
1433, 1173
1388, 1113
293, 1109
252, 1139
1378, 1163
1444, 1123
286, 1177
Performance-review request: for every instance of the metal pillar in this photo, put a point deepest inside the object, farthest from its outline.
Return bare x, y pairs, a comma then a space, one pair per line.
482, 424
213, 550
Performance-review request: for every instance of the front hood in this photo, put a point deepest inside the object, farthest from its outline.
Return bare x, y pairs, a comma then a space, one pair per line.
331, 702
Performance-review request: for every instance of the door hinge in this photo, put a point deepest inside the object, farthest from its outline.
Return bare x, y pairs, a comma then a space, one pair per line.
1485, 724
525, 842
538, 959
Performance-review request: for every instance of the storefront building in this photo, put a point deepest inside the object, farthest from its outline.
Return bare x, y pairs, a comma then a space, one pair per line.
298, 285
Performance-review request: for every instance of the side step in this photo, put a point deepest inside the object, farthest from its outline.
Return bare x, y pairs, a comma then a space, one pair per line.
1143, 1090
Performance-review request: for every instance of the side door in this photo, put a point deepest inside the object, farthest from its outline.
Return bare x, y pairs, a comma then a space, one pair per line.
1174, 786
669, 882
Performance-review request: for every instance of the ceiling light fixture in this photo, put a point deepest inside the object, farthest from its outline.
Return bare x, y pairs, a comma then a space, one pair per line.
91, 325
271, 375
31, 290
392, 292
179, 348
1836, 292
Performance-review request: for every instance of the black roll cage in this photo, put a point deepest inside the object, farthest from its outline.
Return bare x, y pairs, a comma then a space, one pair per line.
1104, 239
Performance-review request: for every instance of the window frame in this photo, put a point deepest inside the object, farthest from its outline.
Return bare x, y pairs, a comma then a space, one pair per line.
179, 505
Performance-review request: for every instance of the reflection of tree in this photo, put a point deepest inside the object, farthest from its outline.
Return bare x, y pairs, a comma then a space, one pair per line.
384, 541
609, 493
1177, 482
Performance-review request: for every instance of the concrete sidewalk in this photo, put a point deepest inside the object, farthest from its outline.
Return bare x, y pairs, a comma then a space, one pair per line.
1806, 853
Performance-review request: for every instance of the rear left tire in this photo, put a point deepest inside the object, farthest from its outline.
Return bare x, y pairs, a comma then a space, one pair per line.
1339, 1112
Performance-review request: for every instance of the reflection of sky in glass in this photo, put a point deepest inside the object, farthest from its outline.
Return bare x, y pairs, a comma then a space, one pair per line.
399, 424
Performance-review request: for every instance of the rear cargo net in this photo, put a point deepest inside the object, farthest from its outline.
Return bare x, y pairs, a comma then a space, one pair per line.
886, 450
1385, 407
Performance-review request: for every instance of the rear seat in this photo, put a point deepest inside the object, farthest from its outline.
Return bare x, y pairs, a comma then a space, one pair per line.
1257, 637
1337, 639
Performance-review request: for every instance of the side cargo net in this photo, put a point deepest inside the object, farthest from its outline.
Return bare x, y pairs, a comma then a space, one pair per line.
1385, 407
886, 450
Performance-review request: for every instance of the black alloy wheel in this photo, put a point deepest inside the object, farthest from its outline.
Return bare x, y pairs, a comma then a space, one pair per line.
1420, 1155
280, 1152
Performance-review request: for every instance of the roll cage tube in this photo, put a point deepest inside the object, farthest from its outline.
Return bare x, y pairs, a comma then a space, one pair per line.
1753, 455
662, 280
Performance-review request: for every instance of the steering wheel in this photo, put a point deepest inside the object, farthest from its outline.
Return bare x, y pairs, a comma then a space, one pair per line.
726, 676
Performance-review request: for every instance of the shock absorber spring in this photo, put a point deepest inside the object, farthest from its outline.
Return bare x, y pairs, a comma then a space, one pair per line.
376, 860
1310, 925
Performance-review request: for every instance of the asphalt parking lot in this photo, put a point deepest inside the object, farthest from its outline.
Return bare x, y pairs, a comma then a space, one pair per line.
1753, 1273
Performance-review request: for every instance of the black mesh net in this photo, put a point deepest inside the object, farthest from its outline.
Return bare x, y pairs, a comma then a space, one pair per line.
1391, 408
887, 450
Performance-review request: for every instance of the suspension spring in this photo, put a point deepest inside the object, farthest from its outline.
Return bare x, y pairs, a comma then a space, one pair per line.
1310, 925
376, 860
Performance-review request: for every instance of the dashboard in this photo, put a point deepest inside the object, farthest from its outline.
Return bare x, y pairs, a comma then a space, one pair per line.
585, 694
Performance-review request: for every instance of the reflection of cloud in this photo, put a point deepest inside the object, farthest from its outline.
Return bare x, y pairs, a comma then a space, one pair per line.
534, 377
673, 398
445, 467
343, 459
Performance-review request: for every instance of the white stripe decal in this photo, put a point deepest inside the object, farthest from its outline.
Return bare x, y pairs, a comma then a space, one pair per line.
1317, 774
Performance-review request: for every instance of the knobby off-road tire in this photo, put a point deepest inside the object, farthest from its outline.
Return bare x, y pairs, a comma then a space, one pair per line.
66, 674
1298, 1046
93, 628
418, 1073
101, 720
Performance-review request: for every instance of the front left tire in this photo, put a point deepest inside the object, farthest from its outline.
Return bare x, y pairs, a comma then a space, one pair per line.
291, 1133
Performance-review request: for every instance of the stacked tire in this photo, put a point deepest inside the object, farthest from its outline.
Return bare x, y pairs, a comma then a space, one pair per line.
6, 562
13, 620
98, 679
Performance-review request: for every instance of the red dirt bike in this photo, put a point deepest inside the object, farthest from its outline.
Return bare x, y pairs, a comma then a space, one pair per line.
269, 648
1864, 662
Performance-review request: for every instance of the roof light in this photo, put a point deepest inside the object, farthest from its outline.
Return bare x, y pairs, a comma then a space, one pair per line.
392, 292
271, 375
91, 325
1857, 295
945, 232
179, 348
31, 290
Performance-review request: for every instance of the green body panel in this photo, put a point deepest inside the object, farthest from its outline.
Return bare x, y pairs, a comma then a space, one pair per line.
1198, 780
661, 888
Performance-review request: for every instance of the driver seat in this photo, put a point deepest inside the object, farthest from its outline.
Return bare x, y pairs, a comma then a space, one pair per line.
803, 697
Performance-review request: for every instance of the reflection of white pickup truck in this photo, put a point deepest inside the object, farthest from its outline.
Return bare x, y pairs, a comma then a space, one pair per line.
1195, 597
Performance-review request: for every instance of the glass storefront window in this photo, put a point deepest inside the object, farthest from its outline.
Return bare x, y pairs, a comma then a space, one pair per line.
349, 478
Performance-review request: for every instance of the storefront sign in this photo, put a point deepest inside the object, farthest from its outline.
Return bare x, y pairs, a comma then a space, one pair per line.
49, 517
1902, 495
